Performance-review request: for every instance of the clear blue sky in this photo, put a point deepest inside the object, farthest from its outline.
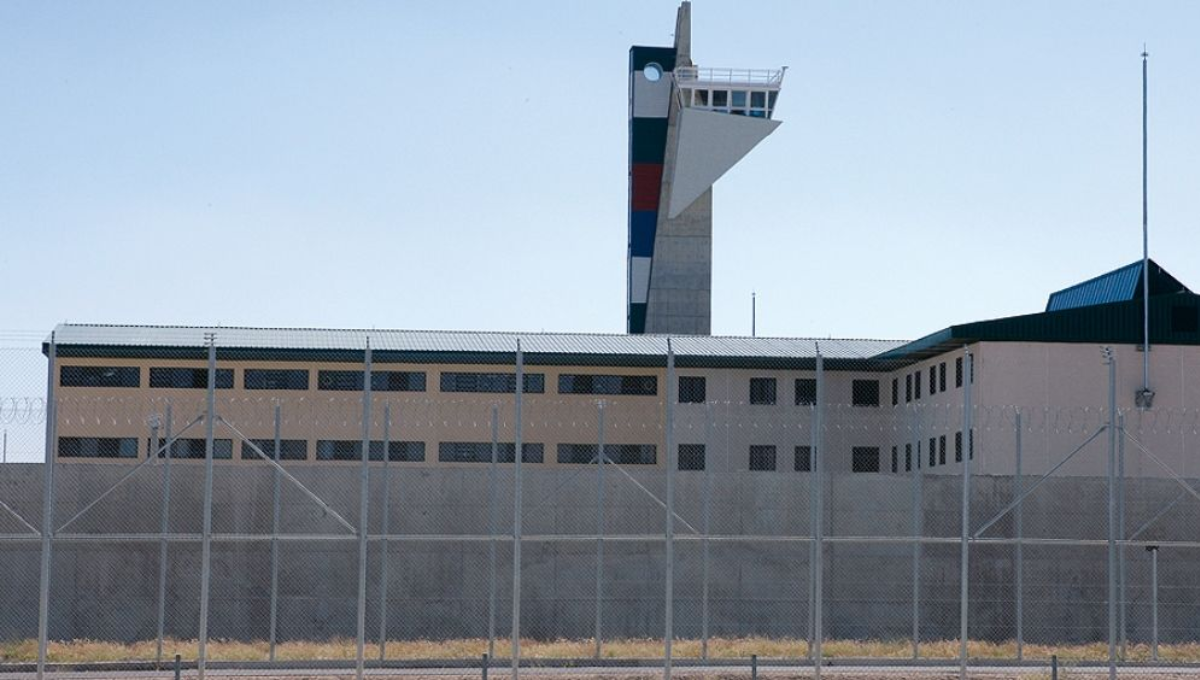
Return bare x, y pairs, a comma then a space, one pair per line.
461, 165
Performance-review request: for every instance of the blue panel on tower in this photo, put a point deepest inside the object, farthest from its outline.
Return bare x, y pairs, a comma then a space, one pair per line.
637, 317
642, 225
639, 56
647, 140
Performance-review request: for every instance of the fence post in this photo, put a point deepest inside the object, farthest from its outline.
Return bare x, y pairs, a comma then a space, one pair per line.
918, 528
1153, 549
210, 417
276, 492
364, 518
1112, 513
704, 543
1020, 521
1123, 632
493, 511
599, 522
518, 454
385, 529
670, 529
964, 601
47, 509
818, 470
162, 544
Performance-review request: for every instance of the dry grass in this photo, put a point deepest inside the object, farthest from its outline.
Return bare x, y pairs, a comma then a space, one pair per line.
92, 651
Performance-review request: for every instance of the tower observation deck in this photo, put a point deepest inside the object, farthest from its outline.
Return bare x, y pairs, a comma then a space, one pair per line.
688, 126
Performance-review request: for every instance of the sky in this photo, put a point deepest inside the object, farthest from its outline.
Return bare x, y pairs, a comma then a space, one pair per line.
462, 165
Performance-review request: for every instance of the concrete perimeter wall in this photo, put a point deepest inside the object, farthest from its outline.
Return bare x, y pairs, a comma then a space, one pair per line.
438, 578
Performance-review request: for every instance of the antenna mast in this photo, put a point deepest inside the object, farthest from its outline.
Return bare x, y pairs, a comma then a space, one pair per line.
1146, 397
753, 314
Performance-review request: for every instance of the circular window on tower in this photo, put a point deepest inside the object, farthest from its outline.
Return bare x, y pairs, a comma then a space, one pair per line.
653, 72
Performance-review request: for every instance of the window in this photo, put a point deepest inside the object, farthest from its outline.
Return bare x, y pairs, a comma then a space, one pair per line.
619, 454
692, 389
762, 457
942, 450
803, 459
381, 381
641, 385
351, 449
492, 383
933, 452
908, 457
895, 391
275, 379
762, 391
932, 380
289, 449
942, 377
481, 452
691, 457
806, 391
720, 98
958, 447
1185, 319
895, 459
758, 100
971, 445
193, 449
865, 459
100, 376
916, 385
864, 392
958, 372
189, 378
97, 447
908, 388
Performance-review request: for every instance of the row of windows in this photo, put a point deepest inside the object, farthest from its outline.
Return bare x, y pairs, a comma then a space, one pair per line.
764, 391
936, 452
691, 456
937, 381
352, 381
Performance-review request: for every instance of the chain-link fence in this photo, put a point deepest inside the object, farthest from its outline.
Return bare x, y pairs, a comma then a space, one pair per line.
237, 508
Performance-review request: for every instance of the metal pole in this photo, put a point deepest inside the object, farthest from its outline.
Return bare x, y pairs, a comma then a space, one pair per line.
519, 390
47, 509
1153, 602
1112, 514
4, 458
210, 419
599, 523
162, 545
670, 532
1020, 527
384, 529
704, 543
493, 501
364, 518
1145, 245
1123, 631
818, 470
918, 529
964, 601
275, 511
152, 451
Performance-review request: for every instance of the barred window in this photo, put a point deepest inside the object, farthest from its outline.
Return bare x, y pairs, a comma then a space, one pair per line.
492, 383
289, 449
637, 385
864, 459
193, 449
762, 457
97, 447
351, 449
692, 389
100, 376
864, 392
803, 461
189, 378
381, 381
762, 391
691, 457
481, 452
806, 391
275, 379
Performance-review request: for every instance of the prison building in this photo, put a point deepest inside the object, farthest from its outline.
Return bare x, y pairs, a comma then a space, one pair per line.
891, 407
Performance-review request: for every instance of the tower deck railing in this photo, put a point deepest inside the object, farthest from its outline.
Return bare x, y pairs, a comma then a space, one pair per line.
695, 76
